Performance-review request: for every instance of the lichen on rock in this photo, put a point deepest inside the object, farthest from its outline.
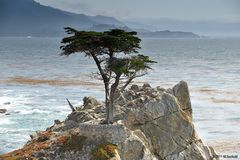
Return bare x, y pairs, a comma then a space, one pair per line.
104, 152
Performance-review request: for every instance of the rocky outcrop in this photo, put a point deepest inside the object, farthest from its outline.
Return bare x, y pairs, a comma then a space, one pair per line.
150, 124
3, 110
181, 92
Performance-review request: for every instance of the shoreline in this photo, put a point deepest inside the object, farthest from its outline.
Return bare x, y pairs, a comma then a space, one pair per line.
226, 146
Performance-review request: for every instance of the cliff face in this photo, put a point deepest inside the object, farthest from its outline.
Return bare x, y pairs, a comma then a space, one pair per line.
150, 124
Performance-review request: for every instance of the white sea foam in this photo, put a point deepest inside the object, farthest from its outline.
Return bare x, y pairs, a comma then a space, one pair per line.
4, 121
33, 111
5, 99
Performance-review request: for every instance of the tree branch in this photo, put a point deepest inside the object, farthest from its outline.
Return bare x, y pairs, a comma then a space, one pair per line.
98, 63
130, 79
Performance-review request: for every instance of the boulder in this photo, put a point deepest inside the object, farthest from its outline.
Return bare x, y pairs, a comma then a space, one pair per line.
3, 111
90, 103
146, 85
7, 103
135, 88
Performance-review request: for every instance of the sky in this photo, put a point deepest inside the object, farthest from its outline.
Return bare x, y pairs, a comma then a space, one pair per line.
227, 10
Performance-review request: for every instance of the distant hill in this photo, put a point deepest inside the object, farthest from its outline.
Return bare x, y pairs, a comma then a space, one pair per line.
29, 18
168, 34
106, 27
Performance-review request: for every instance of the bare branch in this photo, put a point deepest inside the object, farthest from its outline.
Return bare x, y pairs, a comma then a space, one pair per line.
71, 106
130, 79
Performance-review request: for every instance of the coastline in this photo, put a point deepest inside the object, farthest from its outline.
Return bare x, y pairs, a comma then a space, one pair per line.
230, 146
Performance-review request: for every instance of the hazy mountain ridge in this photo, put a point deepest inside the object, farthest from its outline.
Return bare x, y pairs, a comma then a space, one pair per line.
213, 28
27, 17
30, 18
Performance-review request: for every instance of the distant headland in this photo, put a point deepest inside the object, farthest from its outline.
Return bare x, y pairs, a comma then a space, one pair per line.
27, 18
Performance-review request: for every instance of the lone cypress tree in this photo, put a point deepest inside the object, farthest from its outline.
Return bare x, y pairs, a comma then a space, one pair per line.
115, 53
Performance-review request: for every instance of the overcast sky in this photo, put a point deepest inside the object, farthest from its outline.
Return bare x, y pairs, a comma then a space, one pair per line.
177, 9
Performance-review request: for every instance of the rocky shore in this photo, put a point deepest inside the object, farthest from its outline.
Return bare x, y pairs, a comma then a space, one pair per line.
149, 124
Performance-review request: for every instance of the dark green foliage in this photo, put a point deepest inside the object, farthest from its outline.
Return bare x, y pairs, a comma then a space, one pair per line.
82, 41
114, 41
131, 65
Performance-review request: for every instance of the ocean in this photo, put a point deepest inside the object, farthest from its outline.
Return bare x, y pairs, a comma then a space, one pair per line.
35, 80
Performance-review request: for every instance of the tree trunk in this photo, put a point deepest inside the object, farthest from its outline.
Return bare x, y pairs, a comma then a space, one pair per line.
111, 104
110, 113
110, 107
107, 103
106, 81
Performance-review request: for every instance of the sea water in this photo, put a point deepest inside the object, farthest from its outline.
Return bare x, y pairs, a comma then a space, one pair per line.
35, 80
